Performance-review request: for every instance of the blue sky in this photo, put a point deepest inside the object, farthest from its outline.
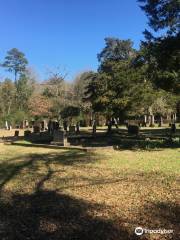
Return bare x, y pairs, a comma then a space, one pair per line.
67, 33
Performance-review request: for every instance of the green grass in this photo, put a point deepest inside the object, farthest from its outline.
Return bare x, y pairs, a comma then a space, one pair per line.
70, 194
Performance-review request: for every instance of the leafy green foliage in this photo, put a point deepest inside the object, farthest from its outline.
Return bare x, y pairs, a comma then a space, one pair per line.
116, 50
23, 92
7, 97
70, 111
118, 89
162, 14
162, 54
15, 61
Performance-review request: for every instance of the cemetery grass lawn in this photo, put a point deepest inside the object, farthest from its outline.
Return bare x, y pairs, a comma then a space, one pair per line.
102, 194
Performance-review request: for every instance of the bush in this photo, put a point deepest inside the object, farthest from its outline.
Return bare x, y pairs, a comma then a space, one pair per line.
133, 129
70, 111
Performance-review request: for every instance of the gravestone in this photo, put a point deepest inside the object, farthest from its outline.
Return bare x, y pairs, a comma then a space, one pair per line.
6, 125
16, 133
31, 124
26, 124
41, 137
45, 125
173, 128
94, 126
42, 125
133, 129
27, 133
65, 125
77, 128
109, 124
72, 129
36, 129
58, 137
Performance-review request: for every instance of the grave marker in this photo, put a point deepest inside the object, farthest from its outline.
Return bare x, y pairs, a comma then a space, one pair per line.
58, 137
72, 129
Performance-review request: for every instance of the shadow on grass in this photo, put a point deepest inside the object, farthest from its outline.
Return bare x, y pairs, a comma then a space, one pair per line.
54, 215
147, 144
47, 214
51, 215
12, 167
163, 215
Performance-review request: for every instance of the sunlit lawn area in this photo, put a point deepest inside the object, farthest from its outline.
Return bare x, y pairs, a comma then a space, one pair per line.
103, 194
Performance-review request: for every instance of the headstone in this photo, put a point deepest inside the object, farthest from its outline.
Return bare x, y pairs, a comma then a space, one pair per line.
32, 124
94, 126
65, 125
173, 128
45, 125
58, 137
56, 125
26, 123
16, 133
42, 126
133, 129
145, 118
77, 128
27, 133
50, 127
36, 129
109, 124
6, 125
72, 129
174, 118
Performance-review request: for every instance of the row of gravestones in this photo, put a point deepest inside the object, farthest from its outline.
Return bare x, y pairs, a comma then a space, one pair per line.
57, 136
52, 126
134, 129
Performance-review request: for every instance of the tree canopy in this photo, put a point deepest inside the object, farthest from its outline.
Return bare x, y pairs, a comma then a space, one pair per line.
162, 14
15, 61
116, 49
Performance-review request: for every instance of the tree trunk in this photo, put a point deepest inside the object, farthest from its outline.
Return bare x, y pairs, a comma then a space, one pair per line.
174, 117
160, 122
15, 76
151, 120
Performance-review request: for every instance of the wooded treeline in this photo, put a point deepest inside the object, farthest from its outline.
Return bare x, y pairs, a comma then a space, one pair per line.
128, 82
